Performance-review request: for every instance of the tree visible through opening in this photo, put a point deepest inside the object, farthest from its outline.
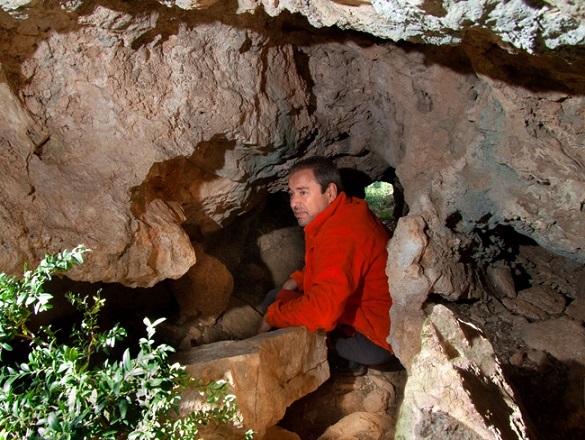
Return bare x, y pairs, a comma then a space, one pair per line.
380, 198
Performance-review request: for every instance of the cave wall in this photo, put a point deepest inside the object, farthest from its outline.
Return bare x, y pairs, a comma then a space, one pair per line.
117, 95
123, 122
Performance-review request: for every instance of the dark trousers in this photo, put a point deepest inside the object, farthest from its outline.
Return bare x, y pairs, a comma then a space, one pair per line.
356, 348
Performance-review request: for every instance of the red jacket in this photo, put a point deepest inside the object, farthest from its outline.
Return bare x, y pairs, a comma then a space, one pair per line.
344, 280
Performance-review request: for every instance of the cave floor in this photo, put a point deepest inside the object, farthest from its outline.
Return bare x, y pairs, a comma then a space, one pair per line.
379, 392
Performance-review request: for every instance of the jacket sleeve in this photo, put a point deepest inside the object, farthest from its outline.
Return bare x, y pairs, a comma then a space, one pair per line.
299, 277
338, 266
285, 295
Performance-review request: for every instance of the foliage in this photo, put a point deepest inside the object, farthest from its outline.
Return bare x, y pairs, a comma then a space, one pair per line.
379, 196
52, 388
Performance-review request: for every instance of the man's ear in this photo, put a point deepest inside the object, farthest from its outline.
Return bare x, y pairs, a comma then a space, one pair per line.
331, 191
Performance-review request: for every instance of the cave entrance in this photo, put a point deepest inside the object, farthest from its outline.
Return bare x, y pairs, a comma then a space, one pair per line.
239, 265
382, 191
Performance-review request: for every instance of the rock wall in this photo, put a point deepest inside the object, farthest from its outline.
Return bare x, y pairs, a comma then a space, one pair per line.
138, 132
457, 387
129, 125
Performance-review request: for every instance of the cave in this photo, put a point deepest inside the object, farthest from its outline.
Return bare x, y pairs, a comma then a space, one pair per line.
160, 133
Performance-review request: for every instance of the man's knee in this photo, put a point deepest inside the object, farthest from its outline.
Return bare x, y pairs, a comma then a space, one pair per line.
360, 349
269, 299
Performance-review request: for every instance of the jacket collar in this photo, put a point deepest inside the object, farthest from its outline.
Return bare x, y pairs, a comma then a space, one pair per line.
313, 228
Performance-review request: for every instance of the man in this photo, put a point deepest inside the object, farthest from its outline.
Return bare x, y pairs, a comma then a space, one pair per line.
343, 288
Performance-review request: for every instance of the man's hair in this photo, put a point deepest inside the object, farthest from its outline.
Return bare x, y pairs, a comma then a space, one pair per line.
324, 170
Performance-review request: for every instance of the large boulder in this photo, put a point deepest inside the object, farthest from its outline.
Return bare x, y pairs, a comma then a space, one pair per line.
266, 374
205, 290
456, 387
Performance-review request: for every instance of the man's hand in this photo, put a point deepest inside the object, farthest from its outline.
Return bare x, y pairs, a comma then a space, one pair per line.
290, 284
263, 327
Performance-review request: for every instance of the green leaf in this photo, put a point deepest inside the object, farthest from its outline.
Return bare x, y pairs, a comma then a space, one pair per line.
127, 360
123, 408
53, 422
5, 346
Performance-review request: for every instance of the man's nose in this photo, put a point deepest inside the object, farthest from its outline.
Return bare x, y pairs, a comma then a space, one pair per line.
294, 201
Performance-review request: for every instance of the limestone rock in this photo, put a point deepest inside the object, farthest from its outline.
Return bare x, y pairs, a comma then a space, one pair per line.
408, 286
205, 290
456, 387
266, 373
433, 22
190, 4
563, 338
576, 310
501, 281
283, 252
358, 426
545, 268
580, 288
440, 22
240, 320
419, 265
278, 433
186, 339
524, 308
544, 298
140, 164
376, 393
20, 138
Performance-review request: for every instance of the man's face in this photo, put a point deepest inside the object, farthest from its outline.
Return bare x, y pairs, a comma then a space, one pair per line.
306, 199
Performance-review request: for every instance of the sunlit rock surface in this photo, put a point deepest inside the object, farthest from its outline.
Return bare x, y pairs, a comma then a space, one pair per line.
457, 388
265, 373
530, 26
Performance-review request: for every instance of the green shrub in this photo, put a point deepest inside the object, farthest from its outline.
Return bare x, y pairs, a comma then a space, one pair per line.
62, 388
380, 198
